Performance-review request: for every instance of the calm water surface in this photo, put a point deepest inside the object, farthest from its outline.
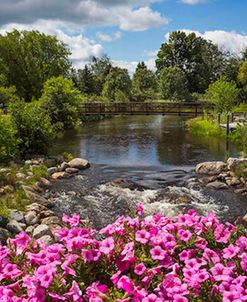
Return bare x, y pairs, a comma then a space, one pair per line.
142, 141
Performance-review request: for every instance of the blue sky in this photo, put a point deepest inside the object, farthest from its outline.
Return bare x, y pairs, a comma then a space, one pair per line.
128, 31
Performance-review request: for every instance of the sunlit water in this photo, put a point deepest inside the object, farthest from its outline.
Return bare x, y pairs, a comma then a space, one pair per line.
156, 153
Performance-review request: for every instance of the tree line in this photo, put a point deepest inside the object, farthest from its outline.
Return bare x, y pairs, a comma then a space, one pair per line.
43, 92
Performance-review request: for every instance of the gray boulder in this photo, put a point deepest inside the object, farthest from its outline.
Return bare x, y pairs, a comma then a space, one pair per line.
41, 230
14, 227
79, 163
211, 168
217, 185
233, 163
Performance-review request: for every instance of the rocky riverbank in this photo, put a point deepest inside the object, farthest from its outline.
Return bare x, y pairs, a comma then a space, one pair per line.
38, 219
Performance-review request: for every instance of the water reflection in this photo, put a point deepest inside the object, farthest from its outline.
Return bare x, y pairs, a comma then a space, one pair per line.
141, 140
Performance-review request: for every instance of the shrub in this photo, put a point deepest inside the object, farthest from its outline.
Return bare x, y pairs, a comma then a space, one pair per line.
187, 258
204, 126
61, 100
33, 126
8, 140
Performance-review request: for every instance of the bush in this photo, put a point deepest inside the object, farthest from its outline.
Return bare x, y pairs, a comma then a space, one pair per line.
61, 101
203, 126
8, 140
188, 258
33, 126
223, 95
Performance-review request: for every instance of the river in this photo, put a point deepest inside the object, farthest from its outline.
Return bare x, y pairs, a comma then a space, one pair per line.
156, 154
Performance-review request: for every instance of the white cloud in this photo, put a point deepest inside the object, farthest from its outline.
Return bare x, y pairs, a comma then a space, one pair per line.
150, 53
192, 2
140, 19
231, 41
108, 37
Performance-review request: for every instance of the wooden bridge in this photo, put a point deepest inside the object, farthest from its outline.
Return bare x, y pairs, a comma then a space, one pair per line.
155, 108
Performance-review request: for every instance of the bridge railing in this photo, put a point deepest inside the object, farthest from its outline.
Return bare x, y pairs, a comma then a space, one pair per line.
131, 108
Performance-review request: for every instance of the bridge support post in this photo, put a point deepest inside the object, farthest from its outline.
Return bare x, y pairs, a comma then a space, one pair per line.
227, 124
219, 118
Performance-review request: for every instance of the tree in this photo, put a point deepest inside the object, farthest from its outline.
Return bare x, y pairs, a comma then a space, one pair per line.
33, 127
8, 140
117, 80
84, 80
143, 83
173, 84
61, 101
223, 94
100, 68
242, 75
200, 59
231, 69
29, 58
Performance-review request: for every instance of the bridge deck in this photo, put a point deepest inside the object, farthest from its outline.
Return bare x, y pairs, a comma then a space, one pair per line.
182, 108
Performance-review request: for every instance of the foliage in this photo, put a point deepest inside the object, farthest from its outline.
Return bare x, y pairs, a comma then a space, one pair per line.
173, 84
29, 58
239, 136
242, 76
67, 156
143, 83
203, 126
200, 59
61, 101
187, 258
117, 80
223, 94
231, 69
84, 80
7, 95
34, 129
8, 140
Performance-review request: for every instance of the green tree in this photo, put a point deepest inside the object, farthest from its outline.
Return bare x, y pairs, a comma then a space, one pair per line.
8, 140
29, 58
200, 59
117, 80
231, 69
173, 84
223, 94
33, 127
242, 75
61, 101
84, 80
100, 68
143, 83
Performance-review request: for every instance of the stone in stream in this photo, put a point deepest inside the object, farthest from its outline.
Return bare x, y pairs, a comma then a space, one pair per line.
71, 170
64, 166
126, 184
79, 163
52, 170
60, 175
217, 185
44, 183
211, 168
234, 163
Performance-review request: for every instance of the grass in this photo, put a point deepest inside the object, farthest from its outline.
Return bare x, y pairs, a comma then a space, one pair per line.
204, 126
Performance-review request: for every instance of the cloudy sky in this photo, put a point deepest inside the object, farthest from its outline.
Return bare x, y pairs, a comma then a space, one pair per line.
127, 31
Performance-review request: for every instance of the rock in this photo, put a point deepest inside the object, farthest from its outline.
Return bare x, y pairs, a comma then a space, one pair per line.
21, 175
64, 166
60, 175
28, 162
17, 215
71, 170
52, 170
38, 199
28, 189
51, 220
233, 181
5, 170
211, 168
3, 221
126, 184
234, 163
244, 220
79, 163
23, 225
240, 190
8, 189
50, 162
36, 207
32, 218
46, 213
44, 183
41, 230
29, 229
14, 227
47, 239
4, 235
216, 185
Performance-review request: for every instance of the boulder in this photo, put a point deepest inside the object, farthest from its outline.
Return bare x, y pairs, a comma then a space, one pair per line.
244, 220
79, 163
216, 185
64, 166
29, 229
71, 170
233, 181
46, 213
21, 175
17, 215
60, 175
3, 221
50, 162
32, 218
51, 220
233, 163
36, 207
52, 170
240, 190
41, 230
4, 235
44, 183
36, 198
211, 168
14, 227
47, 239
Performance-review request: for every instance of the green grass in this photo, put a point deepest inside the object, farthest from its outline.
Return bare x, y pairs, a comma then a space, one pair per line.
203, 126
